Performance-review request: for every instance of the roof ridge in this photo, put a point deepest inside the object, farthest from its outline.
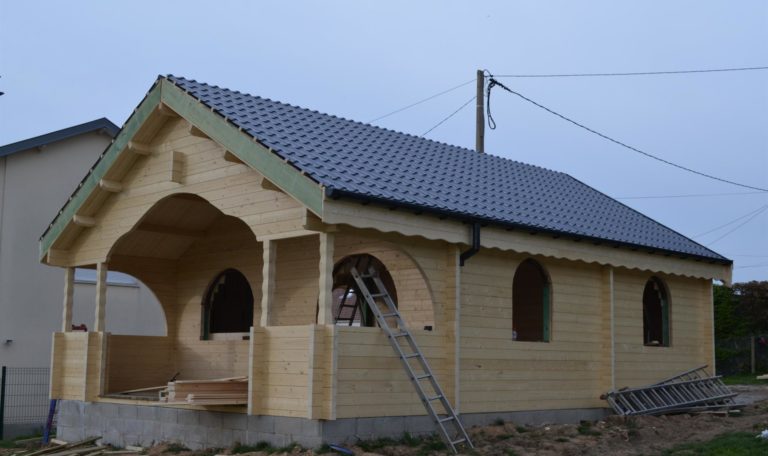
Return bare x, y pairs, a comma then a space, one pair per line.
462, 149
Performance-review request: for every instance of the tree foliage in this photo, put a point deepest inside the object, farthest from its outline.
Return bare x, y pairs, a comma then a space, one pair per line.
741, 310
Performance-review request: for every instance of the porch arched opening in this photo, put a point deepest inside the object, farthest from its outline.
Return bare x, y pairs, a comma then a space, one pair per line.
349, 307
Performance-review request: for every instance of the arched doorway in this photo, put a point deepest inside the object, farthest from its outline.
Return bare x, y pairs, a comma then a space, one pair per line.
349, 308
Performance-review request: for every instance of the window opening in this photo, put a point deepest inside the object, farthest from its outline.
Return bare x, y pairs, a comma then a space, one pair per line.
655, 314
227, 305
531, 303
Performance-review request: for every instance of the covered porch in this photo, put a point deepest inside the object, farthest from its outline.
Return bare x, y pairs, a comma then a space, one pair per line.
267, 307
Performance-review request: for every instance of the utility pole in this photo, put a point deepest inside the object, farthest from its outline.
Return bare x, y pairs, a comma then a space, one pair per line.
480, 115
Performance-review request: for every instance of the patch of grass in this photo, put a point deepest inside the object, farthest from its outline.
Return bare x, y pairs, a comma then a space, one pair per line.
324, 448
728, 444
431, 445
260, 446
175, 448
370, 446
562, 439
521, 429
743, 379
409, 440
498, 422
585, 428
8, 444
286, 449
510, 452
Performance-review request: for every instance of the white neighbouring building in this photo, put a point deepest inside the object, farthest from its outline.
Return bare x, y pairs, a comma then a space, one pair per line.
37, 175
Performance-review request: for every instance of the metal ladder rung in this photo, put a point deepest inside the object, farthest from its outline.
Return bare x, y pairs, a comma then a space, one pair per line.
382, 314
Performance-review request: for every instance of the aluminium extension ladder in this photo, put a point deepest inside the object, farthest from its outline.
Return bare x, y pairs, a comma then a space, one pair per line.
690, 391
420, 374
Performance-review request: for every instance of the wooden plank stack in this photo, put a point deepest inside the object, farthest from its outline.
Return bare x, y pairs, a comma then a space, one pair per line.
222, 391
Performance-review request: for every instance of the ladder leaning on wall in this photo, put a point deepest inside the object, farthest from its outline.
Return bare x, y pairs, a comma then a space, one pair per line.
431, 394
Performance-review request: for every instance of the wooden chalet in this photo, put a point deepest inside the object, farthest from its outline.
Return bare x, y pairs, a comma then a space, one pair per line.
529, 293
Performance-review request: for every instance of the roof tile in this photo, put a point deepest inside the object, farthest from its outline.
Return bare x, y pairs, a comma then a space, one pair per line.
365, 161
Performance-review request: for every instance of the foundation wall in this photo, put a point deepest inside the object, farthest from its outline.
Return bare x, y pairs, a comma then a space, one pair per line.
130, 424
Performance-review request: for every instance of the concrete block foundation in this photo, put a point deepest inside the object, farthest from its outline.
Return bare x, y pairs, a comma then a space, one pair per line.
127, 424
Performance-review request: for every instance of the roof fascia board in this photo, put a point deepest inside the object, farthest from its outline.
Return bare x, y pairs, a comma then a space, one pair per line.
246, 148
107, 159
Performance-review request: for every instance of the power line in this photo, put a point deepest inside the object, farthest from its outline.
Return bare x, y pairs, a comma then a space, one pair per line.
740, 225
732, 221
637, 73
492, 124
450, 115
752, 266
693, 195
422, 101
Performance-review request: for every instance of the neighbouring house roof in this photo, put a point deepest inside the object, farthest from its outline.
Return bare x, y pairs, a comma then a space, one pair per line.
364, 162
102, 124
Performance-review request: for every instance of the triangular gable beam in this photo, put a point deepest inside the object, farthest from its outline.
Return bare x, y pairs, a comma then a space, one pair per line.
164, 95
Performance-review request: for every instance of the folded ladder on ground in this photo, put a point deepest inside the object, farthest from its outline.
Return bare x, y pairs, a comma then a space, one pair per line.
383, 307
692, 391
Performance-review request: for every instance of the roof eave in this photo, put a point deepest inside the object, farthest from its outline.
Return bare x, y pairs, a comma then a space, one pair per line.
335, 193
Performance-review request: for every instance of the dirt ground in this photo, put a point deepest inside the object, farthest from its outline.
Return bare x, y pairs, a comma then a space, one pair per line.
615, 436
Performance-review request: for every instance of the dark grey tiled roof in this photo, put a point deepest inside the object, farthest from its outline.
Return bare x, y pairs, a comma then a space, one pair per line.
102, 124
357, 160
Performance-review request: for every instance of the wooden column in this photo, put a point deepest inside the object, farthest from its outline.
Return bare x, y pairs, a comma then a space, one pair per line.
325, 300
69, 293
101, 297
268, 281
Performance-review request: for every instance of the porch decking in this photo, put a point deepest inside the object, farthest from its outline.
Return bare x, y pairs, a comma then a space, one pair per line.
307, 371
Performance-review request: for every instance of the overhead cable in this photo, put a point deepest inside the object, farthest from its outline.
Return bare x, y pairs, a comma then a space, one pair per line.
450, 115
422, 101
492, 125
635, 73
761, 208
740, 225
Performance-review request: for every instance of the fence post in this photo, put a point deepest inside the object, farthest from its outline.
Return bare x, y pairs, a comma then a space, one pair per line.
752, 353
2, 401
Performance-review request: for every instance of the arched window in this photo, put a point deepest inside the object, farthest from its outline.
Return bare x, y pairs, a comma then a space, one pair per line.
227, 305
655, 313
531, 303
349, 308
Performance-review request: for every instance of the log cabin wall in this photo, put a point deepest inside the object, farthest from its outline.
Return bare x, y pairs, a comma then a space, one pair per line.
501, 374
690, 328
228, 244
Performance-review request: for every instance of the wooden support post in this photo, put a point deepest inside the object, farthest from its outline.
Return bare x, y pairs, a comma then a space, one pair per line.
479, 114
101, 297
268, 281
325, 300
69, 293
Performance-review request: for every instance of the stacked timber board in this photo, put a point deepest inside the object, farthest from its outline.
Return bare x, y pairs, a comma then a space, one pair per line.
225, 391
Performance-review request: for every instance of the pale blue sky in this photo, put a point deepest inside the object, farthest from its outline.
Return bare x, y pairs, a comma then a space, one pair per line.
64, 63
